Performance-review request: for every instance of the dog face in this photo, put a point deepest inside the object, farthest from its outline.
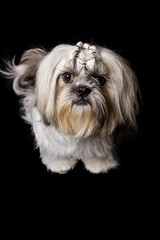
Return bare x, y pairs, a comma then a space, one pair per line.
83, 90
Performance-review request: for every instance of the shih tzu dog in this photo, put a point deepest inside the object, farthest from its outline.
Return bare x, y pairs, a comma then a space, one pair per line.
74, 97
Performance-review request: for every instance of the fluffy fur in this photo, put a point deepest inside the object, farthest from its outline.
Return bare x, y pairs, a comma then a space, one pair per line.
74, 97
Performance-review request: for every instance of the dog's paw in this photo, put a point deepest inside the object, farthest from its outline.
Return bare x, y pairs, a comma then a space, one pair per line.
99, 165
61, 166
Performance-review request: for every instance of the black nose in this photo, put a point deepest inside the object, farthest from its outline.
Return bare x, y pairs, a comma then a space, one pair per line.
83, 91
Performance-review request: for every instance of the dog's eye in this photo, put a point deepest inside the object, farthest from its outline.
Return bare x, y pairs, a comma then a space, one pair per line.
101, 80
67, 77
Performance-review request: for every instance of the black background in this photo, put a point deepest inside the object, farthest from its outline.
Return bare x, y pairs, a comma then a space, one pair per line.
122, 200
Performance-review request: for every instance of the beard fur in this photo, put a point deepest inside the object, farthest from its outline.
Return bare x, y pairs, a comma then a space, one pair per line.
81, 120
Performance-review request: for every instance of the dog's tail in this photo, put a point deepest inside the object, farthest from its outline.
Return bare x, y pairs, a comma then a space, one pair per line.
24, 73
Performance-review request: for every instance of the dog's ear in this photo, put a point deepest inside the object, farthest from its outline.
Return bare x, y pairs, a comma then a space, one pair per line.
25, 72
124, 85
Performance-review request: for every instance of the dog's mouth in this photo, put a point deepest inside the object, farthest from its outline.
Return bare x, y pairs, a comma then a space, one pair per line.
82, 102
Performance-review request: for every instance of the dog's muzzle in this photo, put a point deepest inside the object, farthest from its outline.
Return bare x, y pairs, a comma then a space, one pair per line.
82, 93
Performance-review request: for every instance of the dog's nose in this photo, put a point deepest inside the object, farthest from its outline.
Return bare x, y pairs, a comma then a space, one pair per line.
83, 91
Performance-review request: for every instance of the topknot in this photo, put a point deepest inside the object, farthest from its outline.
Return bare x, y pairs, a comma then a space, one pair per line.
80, 45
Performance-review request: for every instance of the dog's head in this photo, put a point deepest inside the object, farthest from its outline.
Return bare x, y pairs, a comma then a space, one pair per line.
82, 90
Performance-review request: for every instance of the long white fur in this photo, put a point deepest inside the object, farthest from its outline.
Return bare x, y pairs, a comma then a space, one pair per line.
36, 79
